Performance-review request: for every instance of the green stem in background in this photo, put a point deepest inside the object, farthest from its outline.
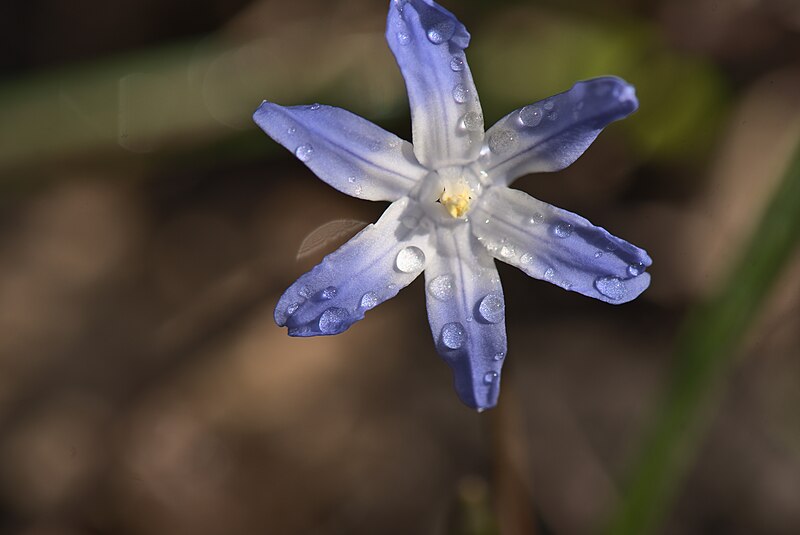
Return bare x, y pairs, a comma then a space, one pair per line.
705, 352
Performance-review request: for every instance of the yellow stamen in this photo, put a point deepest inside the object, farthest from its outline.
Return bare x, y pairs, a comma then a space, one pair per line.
457, 204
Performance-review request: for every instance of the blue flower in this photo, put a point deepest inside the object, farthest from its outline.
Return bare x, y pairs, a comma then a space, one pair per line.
452, 212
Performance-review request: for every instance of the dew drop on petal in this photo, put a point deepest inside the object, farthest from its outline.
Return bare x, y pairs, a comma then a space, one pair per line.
304, 152
549, 105
562, 229
351, 179
329, 292
332, 320
403, 38
499, 356
442, 287
315, 106
291, 309
502, 141
358, 189
634, 270
611, 287
549, 274
305, 291
472, 121
410, 259
490, 377
457, 64
441, 31
530, 116
526, 258
507, 251
492, 308
536, 219
369, 300
453, 335
598, 254
460, 93
291, 130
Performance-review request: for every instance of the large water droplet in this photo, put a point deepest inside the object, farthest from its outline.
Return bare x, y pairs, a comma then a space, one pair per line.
502, 141
441, 31
492, 308
403, 38
530, 116
369, 300
499, 356
329, 292
332, 320
304, 152
490, 377
457, 64
442, 287
410, 259
453, 335
460, 93
291, 309
634, 270
562, 229
611, 287
472, 121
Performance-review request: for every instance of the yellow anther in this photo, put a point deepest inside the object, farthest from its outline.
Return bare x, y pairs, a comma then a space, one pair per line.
456, 204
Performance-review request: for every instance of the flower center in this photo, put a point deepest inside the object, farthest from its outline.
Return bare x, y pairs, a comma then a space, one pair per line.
447, 194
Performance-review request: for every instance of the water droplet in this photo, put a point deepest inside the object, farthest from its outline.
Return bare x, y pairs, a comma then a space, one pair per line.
499, 356
490, 377
598, 254
486, 221
442, 287
410, 259
492, 308
611, 247
391, 286
530, 116
453, 335
526, 258
502, 141
562, 229
369, 300
358, 189
460, 93
315, 106
333, 320
351, 179
549, 105
536, 219
441, 31
329, 292
305, 291
400, 4
457, 64
472, 121
291, 309
507, 251
291, 130
304, 152
634, 270
403, 38
611, 287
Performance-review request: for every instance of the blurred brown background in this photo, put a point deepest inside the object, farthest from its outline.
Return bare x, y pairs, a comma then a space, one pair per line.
147, 229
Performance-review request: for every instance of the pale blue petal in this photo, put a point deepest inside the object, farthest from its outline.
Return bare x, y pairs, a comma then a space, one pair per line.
346, 151
366, 271
466, 311
428, 42
560, 247
551, 134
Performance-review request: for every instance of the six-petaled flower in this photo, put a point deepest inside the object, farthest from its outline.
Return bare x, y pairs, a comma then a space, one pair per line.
452, 212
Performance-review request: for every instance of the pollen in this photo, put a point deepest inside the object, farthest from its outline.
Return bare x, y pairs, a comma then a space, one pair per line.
457, 202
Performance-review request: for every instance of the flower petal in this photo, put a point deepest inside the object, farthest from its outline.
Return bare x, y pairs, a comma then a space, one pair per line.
552, 133
428, 42
367, 270
552, 244
348, 152
466, 312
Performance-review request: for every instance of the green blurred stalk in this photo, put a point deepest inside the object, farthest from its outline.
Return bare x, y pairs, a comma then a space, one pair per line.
705, 352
